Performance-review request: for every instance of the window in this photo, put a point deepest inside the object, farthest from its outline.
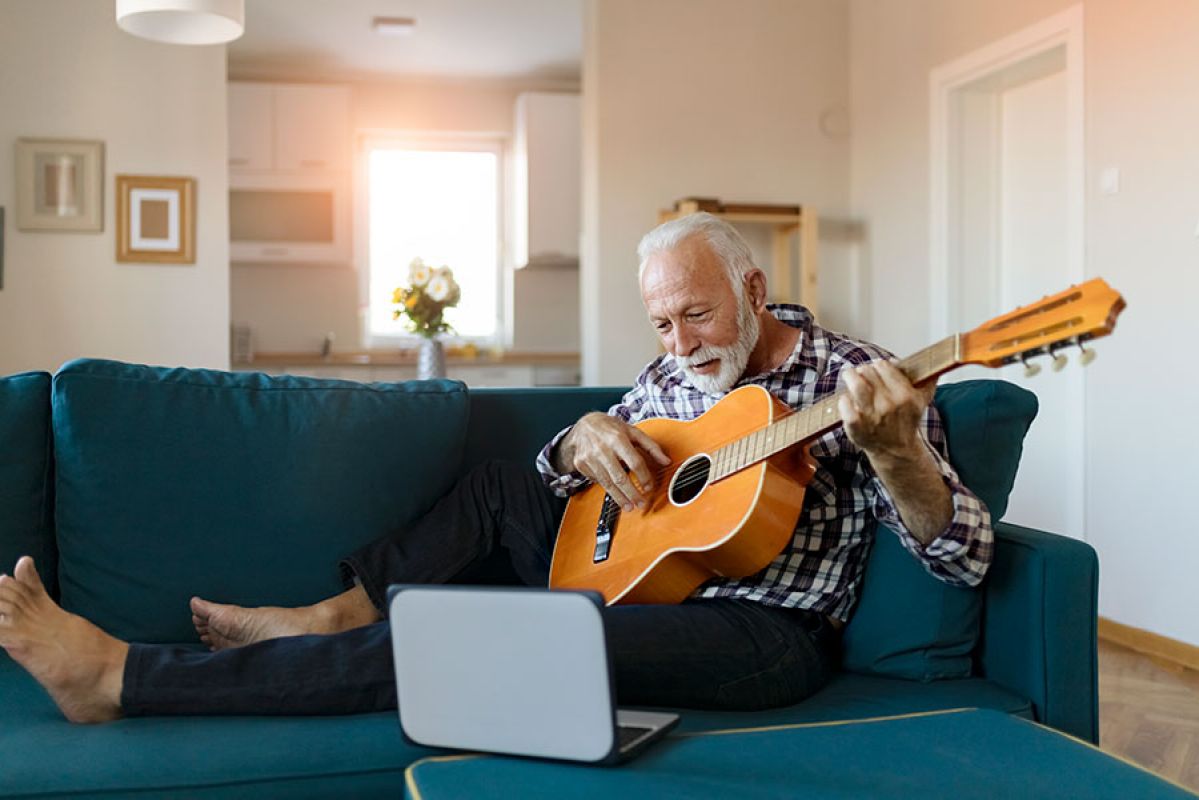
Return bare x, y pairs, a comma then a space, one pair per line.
438, 202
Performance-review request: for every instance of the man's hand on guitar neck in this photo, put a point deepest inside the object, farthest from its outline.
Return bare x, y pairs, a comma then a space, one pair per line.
881, 411
607, 450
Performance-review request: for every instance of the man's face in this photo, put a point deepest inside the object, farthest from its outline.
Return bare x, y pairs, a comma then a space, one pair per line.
708, 327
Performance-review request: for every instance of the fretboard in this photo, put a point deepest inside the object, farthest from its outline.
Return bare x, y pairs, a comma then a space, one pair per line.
821, 416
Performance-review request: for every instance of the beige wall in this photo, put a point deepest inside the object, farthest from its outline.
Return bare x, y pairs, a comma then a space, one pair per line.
1142, 115
67, 71
702, 97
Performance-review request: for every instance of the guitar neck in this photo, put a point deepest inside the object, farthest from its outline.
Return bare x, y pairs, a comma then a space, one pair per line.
822, 416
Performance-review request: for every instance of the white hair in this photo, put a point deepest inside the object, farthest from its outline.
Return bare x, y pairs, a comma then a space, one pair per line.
726, 244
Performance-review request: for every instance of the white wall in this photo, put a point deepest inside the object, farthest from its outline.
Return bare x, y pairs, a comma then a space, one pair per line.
1142, 114
67, 71
703, 97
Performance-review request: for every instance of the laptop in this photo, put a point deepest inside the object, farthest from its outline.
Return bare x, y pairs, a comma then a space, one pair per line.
521, 672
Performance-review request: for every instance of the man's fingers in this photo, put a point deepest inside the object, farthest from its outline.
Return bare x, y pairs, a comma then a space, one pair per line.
859, 388
898, 383
620, 487
647, 444
636, 465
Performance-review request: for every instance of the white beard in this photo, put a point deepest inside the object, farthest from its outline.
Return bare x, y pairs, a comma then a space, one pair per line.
733, 358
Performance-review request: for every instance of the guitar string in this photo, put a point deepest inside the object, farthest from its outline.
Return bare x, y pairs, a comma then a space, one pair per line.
685, 482
908, 364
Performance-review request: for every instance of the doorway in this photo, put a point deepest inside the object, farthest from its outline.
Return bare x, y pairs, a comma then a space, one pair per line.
1007, 199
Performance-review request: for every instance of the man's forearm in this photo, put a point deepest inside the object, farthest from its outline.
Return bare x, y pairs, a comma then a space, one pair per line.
921, 496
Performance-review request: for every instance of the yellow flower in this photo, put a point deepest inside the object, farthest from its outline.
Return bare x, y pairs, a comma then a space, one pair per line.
410, 303
398, 295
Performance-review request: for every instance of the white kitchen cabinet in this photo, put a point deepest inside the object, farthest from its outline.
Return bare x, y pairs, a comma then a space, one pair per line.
289, 179
548, 181
289, 127
312, 127
251, 126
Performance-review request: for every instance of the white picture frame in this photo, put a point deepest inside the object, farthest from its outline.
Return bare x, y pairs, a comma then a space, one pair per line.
60, 185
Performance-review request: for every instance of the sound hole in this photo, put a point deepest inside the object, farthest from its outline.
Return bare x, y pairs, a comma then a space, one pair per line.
690, 480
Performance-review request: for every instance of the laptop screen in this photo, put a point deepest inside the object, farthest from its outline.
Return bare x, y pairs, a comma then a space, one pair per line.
522, 671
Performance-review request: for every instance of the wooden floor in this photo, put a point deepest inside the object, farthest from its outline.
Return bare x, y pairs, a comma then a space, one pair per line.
1149, 713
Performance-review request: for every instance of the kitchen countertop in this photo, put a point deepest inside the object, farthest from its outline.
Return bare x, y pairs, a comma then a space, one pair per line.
407, 357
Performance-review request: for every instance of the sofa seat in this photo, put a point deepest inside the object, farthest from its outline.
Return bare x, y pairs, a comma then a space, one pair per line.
348, 756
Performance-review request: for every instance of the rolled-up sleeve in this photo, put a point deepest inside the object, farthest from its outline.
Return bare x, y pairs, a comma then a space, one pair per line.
961, 553
631, 408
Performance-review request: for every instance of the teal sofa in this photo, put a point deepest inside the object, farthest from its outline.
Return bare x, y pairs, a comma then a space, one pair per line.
137, 487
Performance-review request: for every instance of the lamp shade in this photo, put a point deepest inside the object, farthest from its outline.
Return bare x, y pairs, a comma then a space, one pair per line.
183, 21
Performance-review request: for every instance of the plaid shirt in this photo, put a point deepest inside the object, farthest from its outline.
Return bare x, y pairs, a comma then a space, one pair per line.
821, 569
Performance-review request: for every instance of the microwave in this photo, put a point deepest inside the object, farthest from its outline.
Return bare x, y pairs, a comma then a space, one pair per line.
289, 218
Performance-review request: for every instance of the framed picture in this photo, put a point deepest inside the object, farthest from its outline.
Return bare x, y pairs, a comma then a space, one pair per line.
156, 219
60, 185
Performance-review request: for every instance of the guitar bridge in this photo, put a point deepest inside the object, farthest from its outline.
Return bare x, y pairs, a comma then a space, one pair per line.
605, 529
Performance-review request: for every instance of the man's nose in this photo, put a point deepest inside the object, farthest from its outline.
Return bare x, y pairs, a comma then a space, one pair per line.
685, 342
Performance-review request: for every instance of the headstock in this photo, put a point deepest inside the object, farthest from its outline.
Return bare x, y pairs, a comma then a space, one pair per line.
1066, 319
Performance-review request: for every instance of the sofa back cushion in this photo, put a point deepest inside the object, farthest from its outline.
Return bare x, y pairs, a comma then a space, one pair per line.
240, 488
26, 474
907, 623
514, 424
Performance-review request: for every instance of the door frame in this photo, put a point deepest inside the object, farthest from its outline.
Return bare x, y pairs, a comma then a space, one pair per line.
1062, 30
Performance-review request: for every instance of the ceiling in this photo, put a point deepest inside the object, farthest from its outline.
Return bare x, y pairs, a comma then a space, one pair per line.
332, 40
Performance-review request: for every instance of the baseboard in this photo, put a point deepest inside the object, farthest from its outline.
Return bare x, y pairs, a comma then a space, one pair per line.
1150, 644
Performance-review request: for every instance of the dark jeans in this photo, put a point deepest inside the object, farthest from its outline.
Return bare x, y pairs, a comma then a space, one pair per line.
497, 524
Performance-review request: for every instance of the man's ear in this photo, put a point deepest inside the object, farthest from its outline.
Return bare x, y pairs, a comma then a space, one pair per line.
755, 288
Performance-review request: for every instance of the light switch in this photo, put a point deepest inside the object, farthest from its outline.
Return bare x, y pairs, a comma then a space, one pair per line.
1109, 180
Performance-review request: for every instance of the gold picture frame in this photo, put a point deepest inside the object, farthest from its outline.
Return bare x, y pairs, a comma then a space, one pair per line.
156, 219
60, 185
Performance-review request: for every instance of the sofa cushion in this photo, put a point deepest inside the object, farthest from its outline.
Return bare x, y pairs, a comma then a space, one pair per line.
240, 488
907, 623
362, 755
26, 474
514, 424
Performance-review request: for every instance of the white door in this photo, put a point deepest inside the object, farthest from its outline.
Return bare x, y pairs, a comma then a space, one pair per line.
1033, 262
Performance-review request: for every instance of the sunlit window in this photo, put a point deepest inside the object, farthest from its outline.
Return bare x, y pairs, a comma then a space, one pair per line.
440, 205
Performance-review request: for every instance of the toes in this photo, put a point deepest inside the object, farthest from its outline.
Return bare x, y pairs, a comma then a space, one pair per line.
201, 608
12, 597
26, 574
10, 585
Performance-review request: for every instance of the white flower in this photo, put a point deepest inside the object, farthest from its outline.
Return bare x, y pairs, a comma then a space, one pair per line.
418, 273
440, 287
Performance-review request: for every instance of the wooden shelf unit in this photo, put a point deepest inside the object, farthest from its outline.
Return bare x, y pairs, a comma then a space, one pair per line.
786, 223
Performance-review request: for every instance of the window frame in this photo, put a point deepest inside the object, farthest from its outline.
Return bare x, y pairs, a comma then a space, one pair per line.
494, 143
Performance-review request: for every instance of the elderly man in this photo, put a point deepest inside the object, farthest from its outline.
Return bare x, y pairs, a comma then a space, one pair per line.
738, 643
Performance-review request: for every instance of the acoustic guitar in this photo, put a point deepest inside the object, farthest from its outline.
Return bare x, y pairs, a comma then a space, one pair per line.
728, 502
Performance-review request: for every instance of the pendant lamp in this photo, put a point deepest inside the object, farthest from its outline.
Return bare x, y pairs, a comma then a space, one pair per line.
183, 21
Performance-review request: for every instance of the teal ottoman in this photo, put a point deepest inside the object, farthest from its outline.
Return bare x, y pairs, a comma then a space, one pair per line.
955, 754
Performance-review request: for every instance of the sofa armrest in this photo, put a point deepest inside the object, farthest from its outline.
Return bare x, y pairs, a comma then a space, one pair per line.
1039, 624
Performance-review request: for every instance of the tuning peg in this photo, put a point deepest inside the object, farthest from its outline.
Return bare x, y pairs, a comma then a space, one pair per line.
1030, 370
1086, 356
1059, 360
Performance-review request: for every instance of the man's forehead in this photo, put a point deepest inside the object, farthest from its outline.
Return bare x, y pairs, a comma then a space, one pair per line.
682, 276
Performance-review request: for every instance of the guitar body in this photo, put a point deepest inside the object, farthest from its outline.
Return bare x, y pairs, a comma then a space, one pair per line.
733, 527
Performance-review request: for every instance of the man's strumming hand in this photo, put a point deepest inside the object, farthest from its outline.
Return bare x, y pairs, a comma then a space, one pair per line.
607, 450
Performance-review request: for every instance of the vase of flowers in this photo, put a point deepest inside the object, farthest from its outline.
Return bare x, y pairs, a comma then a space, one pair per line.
430, 291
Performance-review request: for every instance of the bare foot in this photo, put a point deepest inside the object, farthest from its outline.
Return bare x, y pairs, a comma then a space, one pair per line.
223, 626
81, 666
